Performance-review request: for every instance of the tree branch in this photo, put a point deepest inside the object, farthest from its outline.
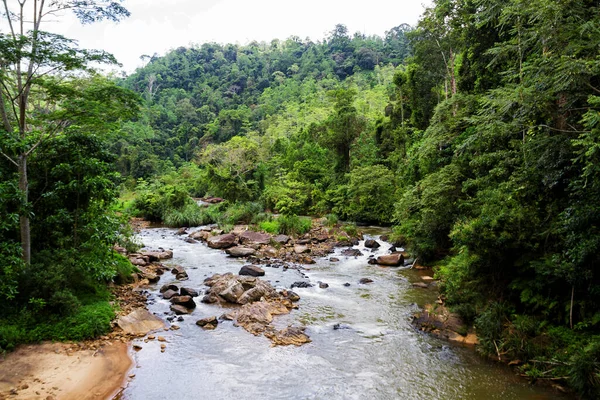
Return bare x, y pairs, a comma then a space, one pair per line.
9, 158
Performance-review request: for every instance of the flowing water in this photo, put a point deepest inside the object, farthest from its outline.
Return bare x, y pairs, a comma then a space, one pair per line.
377, 355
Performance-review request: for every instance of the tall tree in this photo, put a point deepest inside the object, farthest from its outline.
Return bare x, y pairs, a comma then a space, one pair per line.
28, 57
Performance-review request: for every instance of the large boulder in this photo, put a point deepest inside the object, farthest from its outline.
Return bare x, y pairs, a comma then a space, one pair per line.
157, 255
372, 244
140, 322
252, 270
208, 323
200, 235
169, 286
232, 293
291, 335
251, 237
240, 251
300, 249
185, 291
283, 239
391, 260
351, 252
186, 301
169, 294
221, 241
180, 310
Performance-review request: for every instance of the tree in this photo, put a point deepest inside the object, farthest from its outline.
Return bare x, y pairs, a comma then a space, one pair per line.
343, 126
29, 57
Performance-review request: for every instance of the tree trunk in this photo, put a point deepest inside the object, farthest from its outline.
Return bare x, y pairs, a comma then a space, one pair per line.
24, 215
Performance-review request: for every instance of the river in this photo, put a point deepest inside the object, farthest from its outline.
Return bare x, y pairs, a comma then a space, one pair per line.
377, 355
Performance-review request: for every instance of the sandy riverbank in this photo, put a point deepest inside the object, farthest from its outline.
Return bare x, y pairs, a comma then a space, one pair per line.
58, 371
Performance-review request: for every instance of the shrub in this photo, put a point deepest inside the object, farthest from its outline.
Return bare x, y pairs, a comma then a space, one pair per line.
331, 220
292, 224
350, 229
270, 226
190, 215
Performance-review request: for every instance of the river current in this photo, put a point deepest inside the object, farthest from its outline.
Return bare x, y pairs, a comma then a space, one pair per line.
377, 354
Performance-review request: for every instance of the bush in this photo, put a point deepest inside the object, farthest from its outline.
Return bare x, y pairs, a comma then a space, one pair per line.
350, 229
270, 226
90, 321
584, 373
292, 224
190, 215
331, 220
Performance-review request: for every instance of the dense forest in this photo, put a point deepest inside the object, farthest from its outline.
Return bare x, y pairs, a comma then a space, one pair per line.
475, 135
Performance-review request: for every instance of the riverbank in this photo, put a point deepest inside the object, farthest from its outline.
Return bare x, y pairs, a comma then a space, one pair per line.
65, 371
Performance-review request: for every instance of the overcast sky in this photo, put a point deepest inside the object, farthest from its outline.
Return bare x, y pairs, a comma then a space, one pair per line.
156, 26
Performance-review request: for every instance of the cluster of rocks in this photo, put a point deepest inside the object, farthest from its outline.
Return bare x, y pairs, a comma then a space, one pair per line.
262, 247
148, 264
258, 302
437, 320
181, 298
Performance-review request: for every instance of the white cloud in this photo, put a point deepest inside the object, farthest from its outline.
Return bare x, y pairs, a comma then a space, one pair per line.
155, 26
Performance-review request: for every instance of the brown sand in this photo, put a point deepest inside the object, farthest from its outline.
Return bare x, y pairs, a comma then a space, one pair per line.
55, 371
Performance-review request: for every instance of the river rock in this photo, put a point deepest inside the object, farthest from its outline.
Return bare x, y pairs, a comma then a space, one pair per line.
385, 238
288, 336
262, 289
184, 291
427, 279
391, 260
212, 200
180, 310
288, 294
178, 269
283, 239
240, 251
221, 241
320, 238
372, 244
181, 231
372, 261
199, 235
139, 322
300, 249
259, 313
169, 294
152, 278
232, 292
334, 259
351, 252
421, 285
301, 284
339, 326
260, 302
251, 237
251, 270
323, 285
186, 301
364, 281
169, 286
269, 251
157, 255
138, 261
208, 323
182, 276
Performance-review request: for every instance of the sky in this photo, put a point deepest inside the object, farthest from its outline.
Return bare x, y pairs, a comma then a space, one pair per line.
156, 26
